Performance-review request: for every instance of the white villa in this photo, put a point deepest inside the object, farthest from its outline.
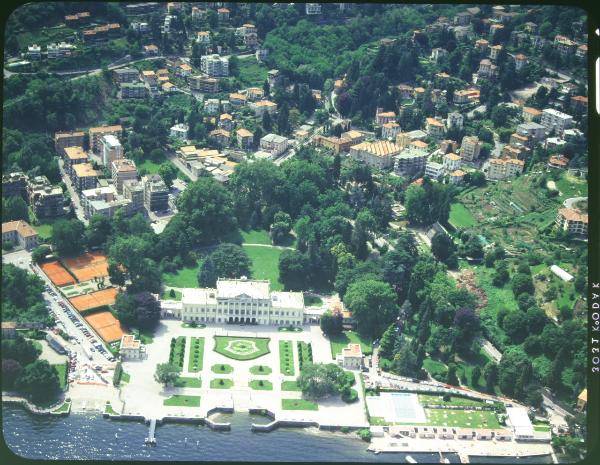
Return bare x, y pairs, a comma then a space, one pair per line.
130, 348
351, 357
239, 301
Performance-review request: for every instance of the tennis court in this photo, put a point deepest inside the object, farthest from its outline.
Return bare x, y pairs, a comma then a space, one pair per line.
88, 266
106, 325
57, 273
397, 407
94, 299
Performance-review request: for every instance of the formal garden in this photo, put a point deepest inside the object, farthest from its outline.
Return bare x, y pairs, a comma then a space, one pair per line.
286, 358
242, 348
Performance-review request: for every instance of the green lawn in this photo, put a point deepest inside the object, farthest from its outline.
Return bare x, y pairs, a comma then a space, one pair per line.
125, 377
108, 409
298, 404
340, 341
222, 369
261, 385
185, 277
61, 368
436, 369
462, 418
188, 382
148, 166
166, 295
454, 401
570, 186
260, 370
221, 383
312, 301
304, 355
65, 407
196, 354
178, 400
256, 236
265, 264
242, 348
252, 74
176, 355
290, 386
460, 217
44, 230
286, 358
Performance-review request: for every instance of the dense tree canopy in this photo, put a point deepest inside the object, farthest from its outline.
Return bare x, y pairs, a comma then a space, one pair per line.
373, 306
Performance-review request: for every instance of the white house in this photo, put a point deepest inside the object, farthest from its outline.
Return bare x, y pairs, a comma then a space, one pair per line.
179, 131
351, 357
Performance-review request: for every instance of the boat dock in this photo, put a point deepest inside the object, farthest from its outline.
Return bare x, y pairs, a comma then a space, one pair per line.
151, 440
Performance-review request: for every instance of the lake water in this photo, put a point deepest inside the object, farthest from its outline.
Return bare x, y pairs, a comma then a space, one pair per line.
91, 437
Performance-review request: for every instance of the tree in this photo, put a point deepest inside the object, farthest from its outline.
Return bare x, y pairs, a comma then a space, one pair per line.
168, 172
331, 324
522, 284
98, 231
283, 119
14, 208
443, 248
11, 370
451, 377
373, 305
39, 381
501, 275
281, 227
234, 66
267, 123
68, 237
39, 253
226, 261
319, 380
406, 362
475, 376
139, 310
294, 269
388, 341
467, 325
490, 373
515, 326
166, 373
266, 88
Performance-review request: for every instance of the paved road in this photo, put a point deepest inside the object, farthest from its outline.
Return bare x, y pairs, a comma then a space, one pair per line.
569, 202
173, 158
489, 349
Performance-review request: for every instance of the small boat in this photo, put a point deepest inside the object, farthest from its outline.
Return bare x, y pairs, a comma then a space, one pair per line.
443, 459
116, 436
377, 451
409, 459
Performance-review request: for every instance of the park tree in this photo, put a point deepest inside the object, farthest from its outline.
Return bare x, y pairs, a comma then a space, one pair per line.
11, 370
501, 275
98, 231
294, 270
168, 172
406, 362
166, 374
21, 350
38, 381
68, 238
466, 323
331, 324
226, 261
451, 377
14, 208
522, 284
475, 376
490, 374
140, 310
444, 249
281, 227
321, 380
129, 255
515, 326
373, 305
39, 253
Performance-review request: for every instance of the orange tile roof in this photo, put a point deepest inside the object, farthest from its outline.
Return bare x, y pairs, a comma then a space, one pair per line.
419, 144
379, 148
75, 153
22, 228
583, 395
453, 157
434, 122
244, 133
457, 173
532, 111
103, 129
570, 214
225, 116
84, 170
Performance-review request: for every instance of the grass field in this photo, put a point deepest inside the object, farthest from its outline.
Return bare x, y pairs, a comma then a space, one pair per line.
185, 277
167, 295
341, 341
436, 369
462, 418
256, 236
177, 353
222, 369
260, 370
460, 217
125, 377
454, 401
265, 264
252, 74
304, 355
286, 358
241, 348
570, 186
182, 401
221, 383
290, 386
61, 368
261, 385
312, 301
188, 382
196, 354
44, 230
65, 407
298, 404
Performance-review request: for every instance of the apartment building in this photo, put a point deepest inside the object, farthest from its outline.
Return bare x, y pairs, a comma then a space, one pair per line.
434, 128
122, 170
390, 130
434, 170
84, 177
14, 185
452, 162
204, 84
45, 200
455, 121
263, 106
274, 144
529, 113
533, 131
124, 75
103, 201
73, 156
214, 65
134, 192
410, 162
133, 90
554, 120
156, 193
96, 134
572, 221
67, 139
379, 154
245, 139
504, 168
111, 149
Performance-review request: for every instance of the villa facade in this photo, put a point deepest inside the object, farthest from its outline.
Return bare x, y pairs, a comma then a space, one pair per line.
240, 301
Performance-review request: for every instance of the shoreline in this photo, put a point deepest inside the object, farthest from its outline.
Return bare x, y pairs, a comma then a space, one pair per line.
290, 424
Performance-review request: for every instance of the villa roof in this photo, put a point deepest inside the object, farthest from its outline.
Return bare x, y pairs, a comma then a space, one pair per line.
570, 214
22, 228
